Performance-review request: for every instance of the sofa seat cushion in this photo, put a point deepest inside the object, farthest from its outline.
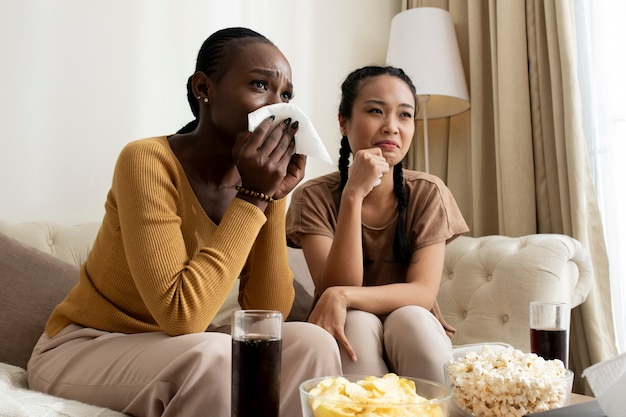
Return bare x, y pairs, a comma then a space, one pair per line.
16, 400
32, 283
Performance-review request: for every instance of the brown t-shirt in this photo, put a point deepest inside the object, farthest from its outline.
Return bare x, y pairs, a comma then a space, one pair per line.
431, 216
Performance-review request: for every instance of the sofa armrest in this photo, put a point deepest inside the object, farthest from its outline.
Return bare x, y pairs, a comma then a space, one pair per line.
488, 282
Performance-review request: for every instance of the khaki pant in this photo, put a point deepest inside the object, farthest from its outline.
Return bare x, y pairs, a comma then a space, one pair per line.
153, 374
410, 342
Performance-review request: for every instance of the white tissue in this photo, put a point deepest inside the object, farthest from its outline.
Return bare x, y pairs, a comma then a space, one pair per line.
308, 141
607, 380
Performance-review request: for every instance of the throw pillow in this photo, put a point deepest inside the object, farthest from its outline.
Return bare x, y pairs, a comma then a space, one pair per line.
32, 283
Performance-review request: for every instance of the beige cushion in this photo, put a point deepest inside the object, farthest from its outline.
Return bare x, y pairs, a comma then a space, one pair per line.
32, 283
303, 285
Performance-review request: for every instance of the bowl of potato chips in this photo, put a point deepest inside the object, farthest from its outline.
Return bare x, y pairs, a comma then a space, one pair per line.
359, 396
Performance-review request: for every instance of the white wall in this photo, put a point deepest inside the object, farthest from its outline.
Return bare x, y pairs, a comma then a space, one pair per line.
81, 78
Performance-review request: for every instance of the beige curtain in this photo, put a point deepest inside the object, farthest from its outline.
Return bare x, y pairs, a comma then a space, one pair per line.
517, 160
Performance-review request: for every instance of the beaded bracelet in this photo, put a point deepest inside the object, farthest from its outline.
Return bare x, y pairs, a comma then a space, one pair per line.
254, 194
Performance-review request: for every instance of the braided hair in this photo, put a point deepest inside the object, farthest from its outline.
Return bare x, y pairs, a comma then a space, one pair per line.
349, 90
214, 59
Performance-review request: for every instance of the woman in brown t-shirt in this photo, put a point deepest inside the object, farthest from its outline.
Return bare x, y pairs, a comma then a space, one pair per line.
374, 236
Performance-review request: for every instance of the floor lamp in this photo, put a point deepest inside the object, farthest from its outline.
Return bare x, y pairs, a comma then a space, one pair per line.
423, 43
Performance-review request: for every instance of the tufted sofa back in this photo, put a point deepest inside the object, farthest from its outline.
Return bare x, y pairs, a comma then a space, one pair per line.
67, 243
486, 284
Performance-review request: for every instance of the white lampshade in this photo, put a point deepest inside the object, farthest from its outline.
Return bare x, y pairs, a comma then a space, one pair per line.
423, 43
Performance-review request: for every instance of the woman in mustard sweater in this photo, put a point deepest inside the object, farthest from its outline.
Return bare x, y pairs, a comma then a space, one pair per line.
186, 216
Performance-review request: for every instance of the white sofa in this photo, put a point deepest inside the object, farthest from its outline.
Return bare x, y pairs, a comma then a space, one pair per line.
485, 290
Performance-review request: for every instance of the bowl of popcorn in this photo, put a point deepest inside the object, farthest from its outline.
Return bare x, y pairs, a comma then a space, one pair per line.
507, 383
360, 396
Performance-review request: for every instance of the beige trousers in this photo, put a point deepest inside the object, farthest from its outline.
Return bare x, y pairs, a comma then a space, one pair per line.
410, 342
153, 374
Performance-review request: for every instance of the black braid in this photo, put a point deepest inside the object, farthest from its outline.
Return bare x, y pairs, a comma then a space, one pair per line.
344, 162
401, 245
349, 90
214, 59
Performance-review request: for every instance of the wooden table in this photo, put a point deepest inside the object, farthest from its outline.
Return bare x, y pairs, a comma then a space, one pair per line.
579, 398
574, 399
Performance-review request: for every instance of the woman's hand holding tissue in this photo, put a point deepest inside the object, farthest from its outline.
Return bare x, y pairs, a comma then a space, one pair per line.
295, 173
266, 160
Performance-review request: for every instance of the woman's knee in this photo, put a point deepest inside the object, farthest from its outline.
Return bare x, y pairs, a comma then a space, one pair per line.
418, 328
307, 336
410, 318
363, 322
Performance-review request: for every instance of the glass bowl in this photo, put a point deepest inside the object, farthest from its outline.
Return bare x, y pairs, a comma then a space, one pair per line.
512, 395
435, 401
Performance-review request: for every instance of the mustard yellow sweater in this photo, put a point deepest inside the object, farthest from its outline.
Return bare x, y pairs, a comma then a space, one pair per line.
160, 264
